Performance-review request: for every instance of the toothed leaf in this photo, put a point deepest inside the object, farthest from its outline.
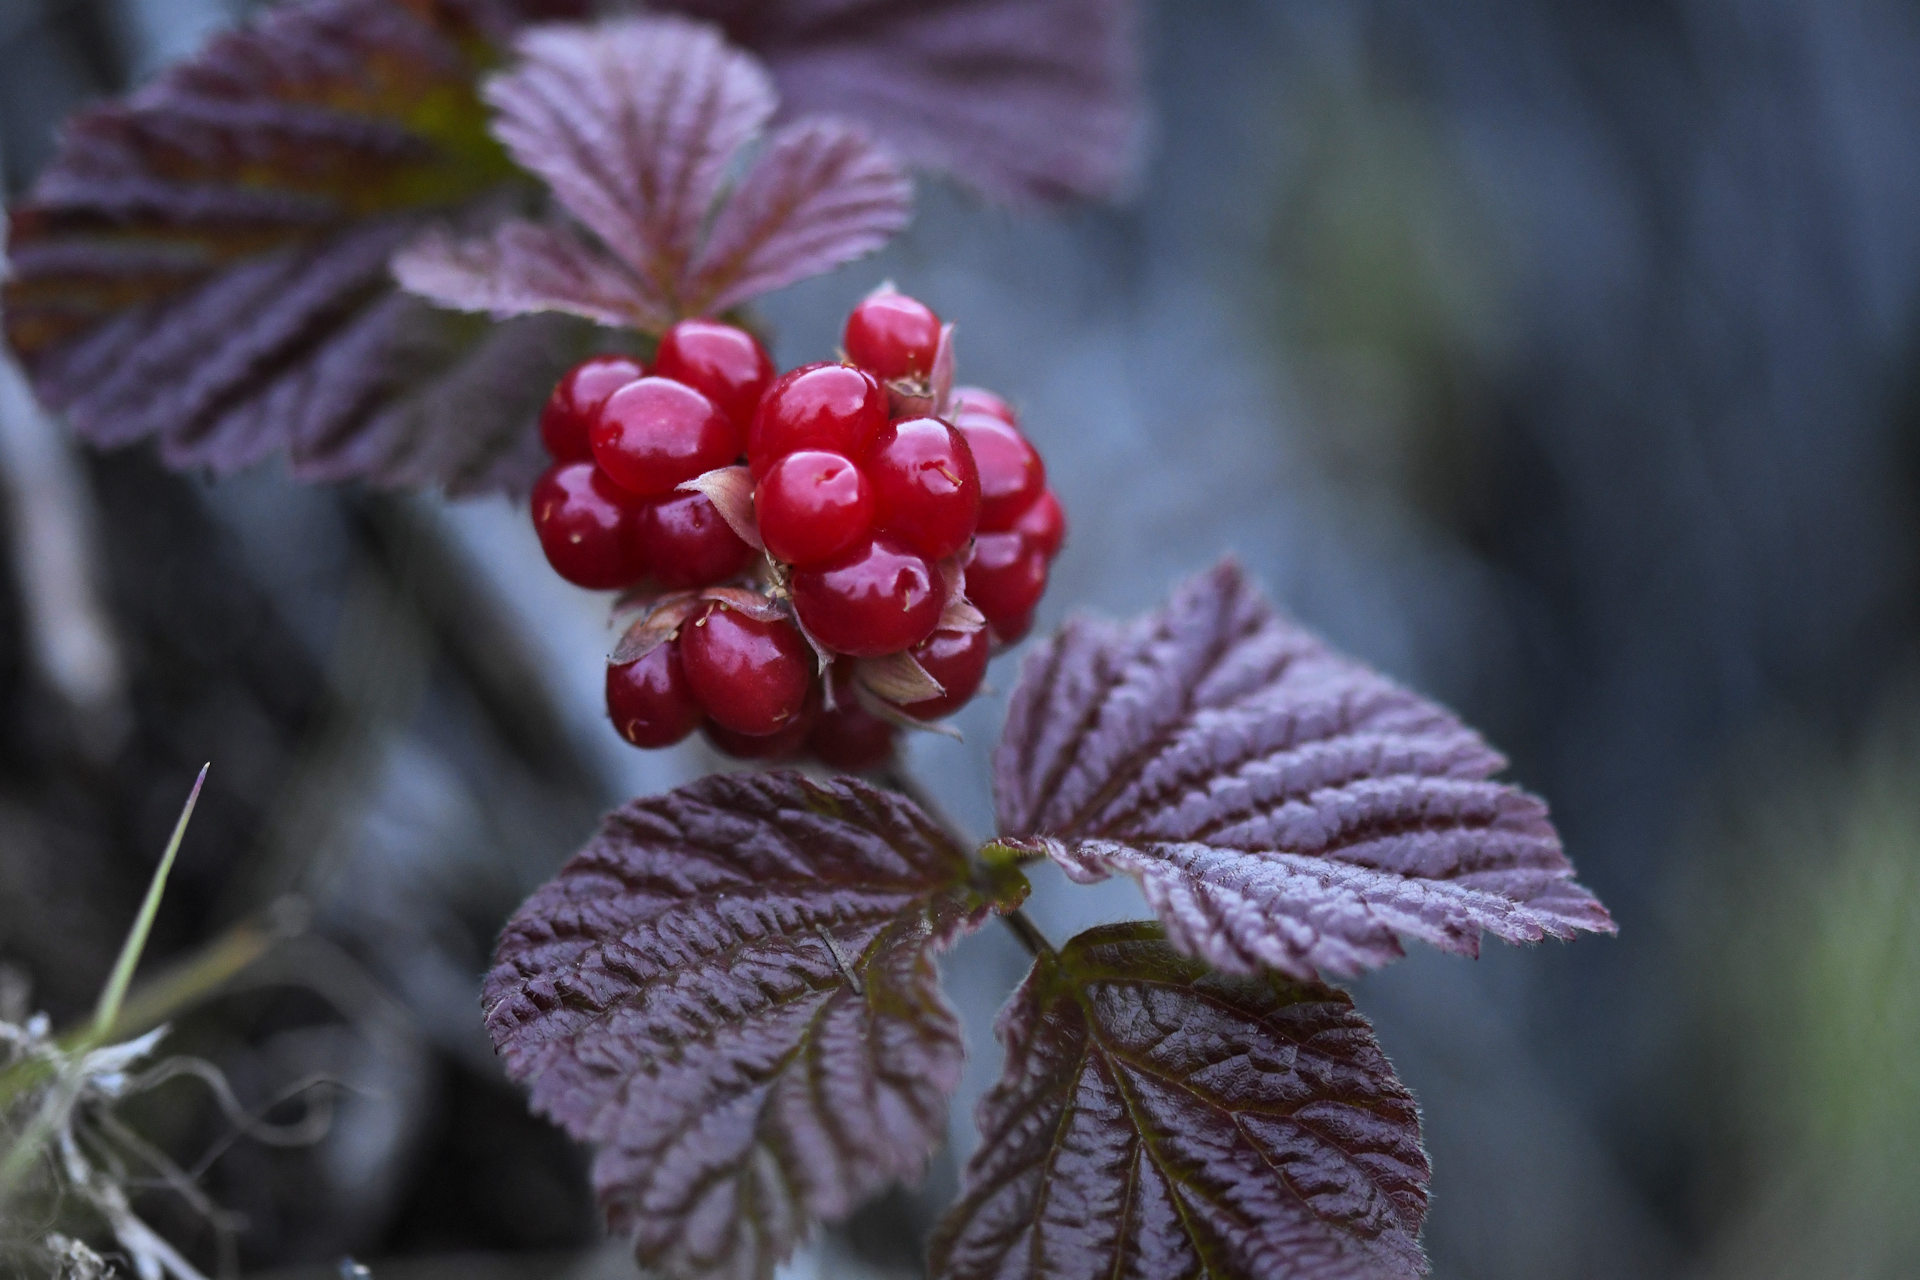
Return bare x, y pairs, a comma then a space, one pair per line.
1157, 1120
522, 267
633, 124
821, 194
1281, 805
1025, 101
205, 263
730, 993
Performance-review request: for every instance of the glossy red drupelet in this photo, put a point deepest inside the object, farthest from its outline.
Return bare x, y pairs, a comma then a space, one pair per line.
893, 336
782, 744
568, 413
925, 485
752, 677
785, 744
654, 434
834, 407
981, 400
1006, 576
686, 543
724, 363
585, 524
876, 599
812, 505
649, 700
1011, 472
849, 736
1044, 524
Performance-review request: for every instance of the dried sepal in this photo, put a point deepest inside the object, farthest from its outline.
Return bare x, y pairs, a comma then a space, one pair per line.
1281, 805
961, 615
929, 396
655, 627
1157, 1119
730, 489
940, 380
754, 604
958, 613
730, 993
898, 677
823, 657
882, 709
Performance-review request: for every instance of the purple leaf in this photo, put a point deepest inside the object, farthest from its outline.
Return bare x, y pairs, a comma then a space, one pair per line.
1281, 805
634, 124
1025, 101
731, 993
821, 195
523, 267
1157, 1120
205, 264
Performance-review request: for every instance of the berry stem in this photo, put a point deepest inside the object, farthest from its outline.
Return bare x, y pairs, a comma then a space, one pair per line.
896, 777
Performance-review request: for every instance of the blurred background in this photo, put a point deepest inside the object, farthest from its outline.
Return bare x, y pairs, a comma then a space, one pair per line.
1559, 359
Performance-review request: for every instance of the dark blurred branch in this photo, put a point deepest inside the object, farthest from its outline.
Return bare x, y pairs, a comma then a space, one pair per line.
56, 566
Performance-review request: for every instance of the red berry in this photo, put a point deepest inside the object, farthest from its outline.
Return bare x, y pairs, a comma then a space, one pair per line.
893, 336
751, 676
770, 746
1011, 473
1044, 524
649, 699
817, 406
724, 363
876, 599
927, 488
687, 543
656, 433
981, 400
1006, 576
958, 660
848, 737
585, 525
568, 414
1012, 630
811, 506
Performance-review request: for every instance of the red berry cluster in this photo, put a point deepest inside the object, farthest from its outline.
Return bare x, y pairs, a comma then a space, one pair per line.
610, 512
906, 528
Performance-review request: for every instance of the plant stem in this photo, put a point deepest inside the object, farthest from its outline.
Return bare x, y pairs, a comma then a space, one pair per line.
1029, 934
895, 777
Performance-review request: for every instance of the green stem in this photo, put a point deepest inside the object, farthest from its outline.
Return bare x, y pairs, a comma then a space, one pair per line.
896, 778
1028, 933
